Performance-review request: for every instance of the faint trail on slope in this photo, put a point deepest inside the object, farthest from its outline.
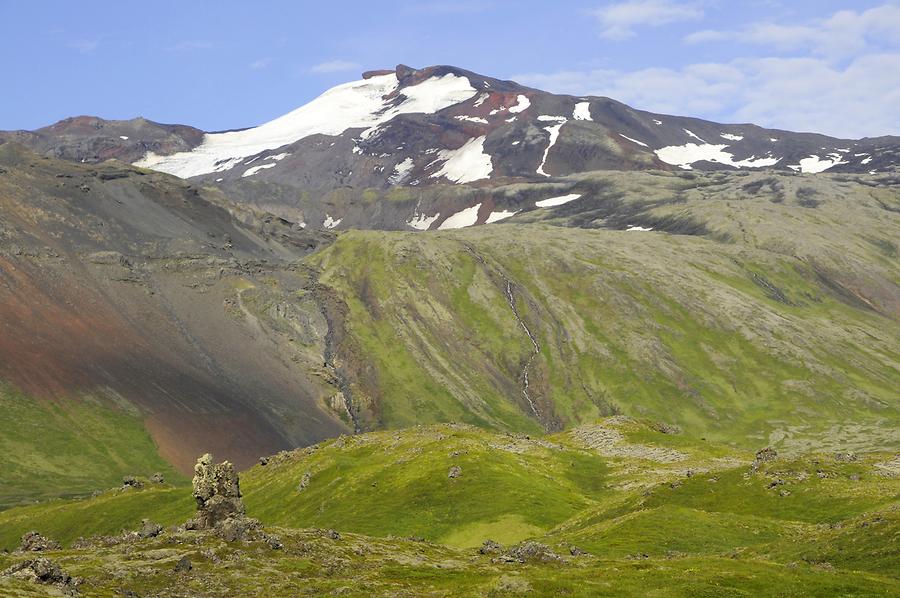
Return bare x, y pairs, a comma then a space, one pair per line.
511, 300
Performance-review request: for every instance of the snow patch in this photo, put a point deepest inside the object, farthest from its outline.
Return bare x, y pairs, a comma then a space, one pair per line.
554, 135
466, 164
462, 219
815, 164
866, 160
401, 171
421, 221
125, 137
639, 228
693, 135
658, 123
278, 157
473, 119
731, 137
582, 111
522, 103
481, 99
331, 222
633, 140
557, 201
685, 155
359, 104
254, 169
501, 215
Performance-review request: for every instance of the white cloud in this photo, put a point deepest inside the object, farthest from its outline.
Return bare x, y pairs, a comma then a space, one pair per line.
260, 64
844, 34
619, 21
838, 75
801, 94
334, 66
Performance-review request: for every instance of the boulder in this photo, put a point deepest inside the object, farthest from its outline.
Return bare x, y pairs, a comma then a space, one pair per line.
454, 472
183, 565
149, 529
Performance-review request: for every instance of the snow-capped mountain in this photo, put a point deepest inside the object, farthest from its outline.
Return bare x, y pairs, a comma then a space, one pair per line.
438, 126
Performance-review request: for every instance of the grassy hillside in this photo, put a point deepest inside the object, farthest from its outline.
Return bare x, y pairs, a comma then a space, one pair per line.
52, 449
731, 342
656, 513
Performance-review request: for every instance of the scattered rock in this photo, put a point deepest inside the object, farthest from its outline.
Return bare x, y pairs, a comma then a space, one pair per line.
490, 547
775, 483
263, 461
513, 585
35, 542
130, 481
44, 571
765, 455
234, 529
454, 472
846, 457
157, 478
665, 428
332, 534
532, 552
304, 481
274, 542
575, 551
183, 565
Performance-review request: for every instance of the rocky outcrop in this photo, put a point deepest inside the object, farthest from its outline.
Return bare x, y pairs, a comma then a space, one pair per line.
217, 492
35, 542
220, 508
44, 571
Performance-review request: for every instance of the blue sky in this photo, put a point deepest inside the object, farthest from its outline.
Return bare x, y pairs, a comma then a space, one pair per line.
819, 65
